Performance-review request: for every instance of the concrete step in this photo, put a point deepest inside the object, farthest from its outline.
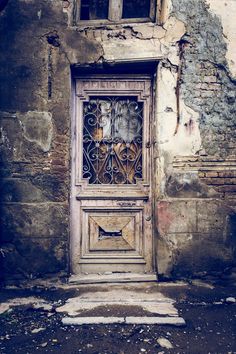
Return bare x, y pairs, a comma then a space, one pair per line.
119, 303
141, 320
112, 278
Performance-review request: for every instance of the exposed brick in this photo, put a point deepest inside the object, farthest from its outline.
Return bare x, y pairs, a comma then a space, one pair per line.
201, 174
230, 180
227, 173
206, 94
61, 139
210, 79
211, 174
209, 86
228, 188
214, 181
59, 162
59, 168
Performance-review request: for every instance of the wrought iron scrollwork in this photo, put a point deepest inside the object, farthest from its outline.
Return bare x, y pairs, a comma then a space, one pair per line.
112, 140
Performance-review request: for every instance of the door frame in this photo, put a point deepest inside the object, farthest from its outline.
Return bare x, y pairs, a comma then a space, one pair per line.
75, 240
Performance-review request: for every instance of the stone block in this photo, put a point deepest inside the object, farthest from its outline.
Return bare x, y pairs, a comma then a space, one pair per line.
37, 128
34, 220
60, 113
55, 187
176, 216
34, 257
201, 255
135, 320
38, 188
188, 185
211, 216
144, 320
132, 49
227, 189
186, 254
211, 174
20, 190
26, 137
79, 321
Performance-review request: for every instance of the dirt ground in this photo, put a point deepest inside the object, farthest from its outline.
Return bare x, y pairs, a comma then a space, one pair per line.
210, 324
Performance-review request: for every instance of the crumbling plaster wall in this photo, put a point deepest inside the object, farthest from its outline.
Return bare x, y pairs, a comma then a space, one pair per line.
194, 145
196, 216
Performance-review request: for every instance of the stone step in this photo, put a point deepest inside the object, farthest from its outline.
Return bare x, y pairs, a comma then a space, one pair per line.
114, 304
110, 299
141, 320
112, 278
159, 308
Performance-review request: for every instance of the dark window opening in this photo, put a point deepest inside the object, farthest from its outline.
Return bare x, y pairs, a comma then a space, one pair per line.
94, 9
115, 10
136, 9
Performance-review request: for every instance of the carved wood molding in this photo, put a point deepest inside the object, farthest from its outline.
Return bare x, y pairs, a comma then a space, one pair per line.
113, 86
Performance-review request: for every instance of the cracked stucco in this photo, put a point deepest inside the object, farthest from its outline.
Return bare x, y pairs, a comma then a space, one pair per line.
222, 9
138, 42
207, 86
37, 128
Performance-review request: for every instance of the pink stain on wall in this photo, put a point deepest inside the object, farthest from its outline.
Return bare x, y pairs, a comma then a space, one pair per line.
164, 217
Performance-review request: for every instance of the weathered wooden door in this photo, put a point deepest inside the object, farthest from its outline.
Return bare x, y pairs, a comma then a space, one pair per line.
111, 204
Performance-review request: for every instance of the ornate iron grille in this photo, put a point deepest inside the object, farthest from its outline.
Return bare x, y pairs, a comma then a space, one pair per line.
112, 140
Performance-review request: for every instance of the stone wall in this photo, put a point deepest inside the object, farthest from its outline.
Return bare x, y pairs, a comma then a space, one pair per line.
194, 131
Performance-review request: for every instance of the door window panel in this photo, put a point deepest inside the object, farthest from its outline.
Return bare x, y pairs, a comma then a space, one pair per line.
112, 140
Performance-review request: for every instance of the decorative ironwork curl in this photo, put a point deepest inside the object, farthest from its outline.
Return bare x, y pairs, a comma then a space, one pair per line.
112, 140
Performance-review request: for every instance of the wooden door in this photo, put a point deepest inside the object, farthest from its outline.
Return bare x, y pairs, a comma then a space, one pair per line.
111, 203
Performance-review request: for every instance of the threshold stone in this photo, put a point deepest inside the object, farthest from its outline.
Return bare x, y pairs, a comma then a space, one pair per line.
145, 320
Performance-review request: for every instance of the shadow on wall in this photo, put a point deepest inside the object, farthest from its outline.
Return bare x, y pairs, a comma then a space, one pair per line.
3, 4
207, 254
196, 238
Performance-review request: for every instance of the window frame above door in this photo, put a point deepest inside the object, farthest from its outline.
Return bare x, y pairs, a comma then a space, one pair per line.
115, 14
